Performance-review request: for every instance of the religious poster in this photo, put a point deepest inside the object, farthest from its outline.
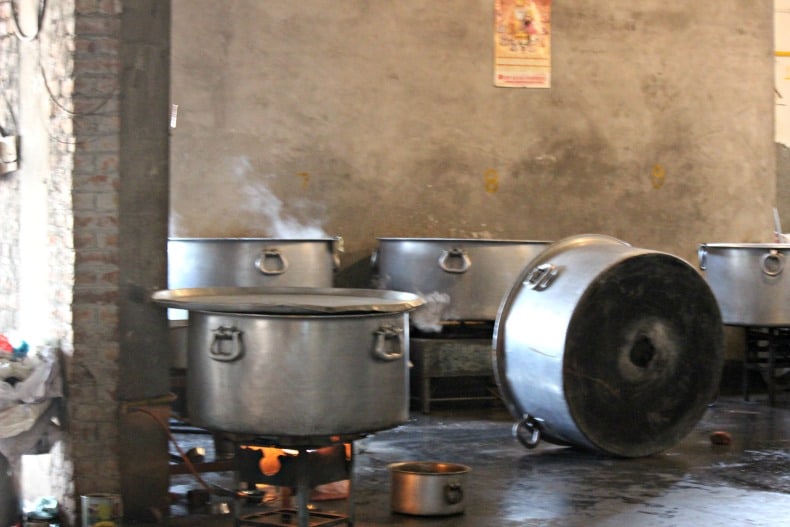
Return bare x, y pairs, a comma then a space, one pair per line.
522, 43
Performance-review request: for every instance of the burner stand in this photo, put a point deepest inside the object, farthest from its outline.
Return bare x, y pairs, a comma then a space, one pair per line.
302, 472
284, 518
767, 350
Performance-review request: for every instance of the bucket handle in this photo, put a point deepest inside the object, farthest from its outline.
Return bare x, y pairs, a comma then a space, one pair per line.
541, 277
226, 338
454, 254
453, 493
383, 335
773, 263
527, 431
272, 253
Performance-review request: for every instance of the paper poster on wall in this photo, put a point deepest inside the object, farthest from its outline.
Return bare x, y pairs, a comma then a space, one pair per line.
522, 43
782, 71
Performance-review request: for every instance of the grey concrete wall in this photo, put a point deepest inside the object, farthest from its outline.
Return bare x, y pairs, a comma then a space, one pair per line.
143, 375
366, 119
783, 184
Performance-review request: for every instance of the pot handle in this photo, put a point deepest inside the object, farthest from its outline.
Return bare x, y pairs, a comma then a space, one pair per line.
383, 335
541, 277
527, 431
225, 338
271, 254
453, 493
702, 256
456, 253
773, 263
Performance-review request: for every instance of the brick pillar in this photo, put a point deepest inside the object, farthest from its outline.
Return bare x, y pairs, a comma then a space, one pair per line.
92, 374
97, 75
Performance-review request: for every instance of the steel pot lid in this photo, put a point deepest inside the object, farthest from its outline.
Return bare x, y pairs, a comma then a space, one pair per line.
288, 300
255, 239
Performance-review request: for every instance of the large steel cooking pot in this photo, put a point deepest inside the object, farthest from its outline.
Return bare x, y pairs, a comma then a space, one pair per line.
460, 279
749, 281
244, 262
296, 363
608, 347
252, 262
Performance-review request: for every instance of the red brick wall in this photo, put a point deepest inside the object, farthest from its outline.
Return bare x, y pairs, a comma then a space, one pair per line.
93, 376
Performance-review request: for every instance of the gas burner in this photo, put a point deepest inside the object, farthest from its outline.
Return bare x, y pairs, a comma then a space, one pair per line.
296, 468
285, 517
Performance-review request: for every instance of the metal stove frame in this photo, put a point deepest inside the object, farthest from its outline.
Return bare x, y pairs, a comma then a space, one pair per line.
462, 349
299, 474
767, 349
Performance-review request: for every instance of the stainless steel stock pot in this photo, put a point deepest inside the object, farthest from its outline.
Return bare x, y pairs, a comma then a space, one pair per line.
252, 262
750, 281
244, 262
608, 347
460, 279
296, 363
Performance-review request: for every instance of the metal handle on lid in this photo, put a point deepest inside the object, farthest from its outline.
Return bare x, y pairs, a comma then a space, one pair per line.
272, 254
226, 345
454, 254
772, 263
383, 340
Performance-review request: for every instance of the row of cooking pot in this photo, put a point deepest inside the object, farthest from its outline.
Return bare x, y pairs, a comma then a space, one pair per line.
462, 279
596, 343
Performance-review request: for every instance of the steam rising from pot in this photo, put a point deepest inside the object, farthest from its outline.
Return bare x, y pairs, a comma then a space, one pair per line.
429, 317
259, 198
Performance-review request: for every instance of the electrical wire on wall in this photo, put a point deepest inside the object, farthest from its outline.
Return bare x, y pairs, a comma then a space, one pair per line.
10, 110
42, 11
42, 8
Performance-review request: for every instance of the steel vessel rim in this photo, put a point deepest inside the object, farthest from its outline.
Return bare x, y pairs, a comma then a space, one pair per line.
746, 245
379, 300
402, 467
250, 239
317, 315
463, 240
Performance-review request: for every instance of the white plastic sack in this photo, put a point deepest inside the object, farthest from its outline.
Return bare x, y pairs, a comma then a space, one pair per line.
23, 403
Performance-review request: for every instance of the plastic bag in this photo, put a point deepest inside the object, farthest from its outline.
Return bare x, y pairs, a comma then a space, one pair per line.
24, 401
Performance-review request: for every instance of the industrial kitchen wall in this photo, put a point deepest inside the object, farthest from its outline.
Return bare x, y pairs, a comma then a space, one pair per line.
367, 119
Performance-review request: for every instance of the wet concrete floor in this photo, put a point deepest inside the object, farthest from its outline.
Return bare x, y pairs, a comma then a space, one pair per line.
697, 482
